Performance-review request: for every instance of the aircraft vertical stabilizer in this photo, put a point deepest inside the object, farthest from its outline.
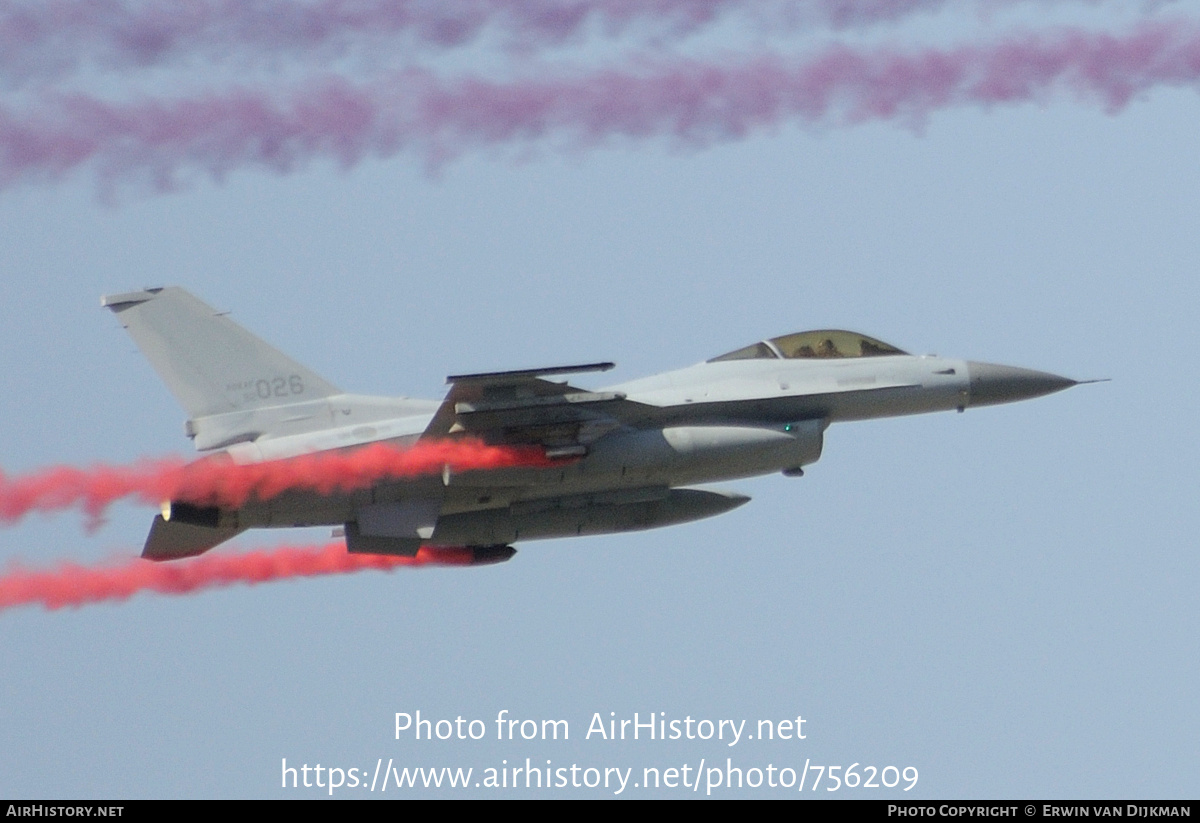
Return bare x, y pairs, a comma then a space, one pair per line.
211, 364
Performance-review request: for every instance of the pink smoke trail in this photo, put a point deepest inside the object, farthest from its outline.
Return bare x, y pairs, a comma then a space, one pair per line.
144, 32
124, 32
49, 36
694, 102
73, 585
214, 482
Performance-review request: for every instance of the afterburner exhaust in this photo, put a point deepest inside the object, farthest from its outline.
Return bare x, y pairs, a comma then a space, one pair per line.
209, 517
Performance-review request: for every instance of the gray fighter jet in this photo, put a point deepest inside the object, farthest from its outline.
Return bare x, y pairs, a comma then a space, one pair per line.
630, 455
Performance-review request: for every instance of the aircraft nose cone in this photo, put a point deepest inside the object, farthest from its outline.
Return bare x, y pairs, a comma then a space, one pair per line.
992, 383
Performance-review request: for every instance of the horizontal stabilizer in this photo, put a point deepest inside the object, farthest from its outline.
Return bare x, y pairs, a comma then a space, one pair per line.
174, 539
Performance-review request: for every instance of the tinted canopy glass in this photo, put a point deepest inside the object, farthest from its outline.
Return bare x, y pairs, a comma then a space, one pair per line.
821, 344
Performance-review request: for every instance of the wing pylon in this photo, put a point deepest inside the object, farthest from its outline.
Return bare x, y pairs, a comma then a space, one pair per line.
522, 407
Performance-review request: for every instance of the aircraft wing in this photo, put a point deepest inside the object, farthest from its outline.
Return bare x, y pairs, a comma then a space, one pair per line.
523, 407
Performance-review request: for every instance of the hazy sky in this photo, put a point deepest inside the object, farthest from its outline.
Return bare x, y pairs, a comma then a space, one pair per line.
1002, 599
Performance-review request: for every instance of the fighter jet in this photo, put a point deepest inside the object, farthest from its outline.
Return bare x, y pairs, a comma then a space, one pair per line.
620, 458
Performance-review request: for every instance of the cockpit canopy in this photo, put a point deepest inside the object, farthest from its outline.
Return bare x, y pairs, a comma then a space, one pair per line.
821, 344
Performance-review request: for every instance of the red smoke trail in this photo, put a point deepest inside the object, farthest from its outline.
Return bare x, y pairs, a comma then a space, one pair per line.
75, 585
217, 482
694, 102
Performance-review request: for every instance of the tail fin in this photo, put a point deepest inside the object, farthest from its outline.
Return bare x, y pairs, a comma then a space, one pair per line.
211, 364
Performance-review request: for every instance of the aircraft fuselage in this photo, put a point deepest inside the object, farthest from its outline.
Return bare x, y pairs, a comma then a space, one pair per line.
621, 458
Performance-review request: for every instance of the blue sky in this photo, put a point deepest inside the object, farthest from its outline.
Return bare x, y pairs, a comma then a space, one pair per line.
1002, 599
